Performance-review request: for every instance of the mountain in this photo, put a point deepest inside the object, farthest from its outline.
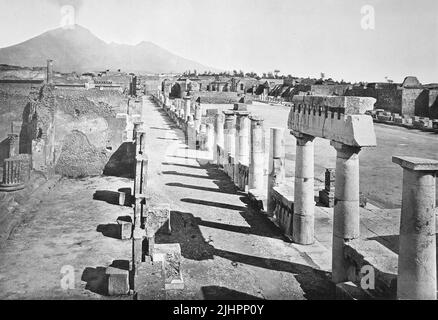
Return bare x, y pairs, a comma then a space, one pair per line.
79, 50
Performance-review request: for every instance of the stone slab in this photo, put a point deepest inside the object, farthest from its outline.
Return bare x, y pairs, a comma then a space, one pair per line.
149, 281
416, 164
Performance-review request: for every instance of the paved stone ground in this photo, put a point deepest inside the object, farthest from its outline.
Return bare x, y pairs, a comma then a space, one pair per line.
228, 250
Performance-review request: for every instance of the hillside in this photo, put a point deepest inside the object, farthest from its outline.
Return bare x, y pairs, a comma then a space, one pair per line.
79, 50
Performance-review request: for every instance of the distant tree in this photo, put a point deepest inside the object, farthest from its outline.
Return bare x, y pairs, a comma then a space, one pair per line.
270, 75
322, 75
276, 72
264, 75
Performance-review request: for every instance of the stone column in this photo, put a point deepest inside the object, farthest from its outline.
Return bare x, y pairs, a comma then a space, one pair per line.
198, 116
304, 199
218, 137
13, 144
276, 165
417, 254
229, 133
346, 210
257, 154
210, 140
186, 108
241, 143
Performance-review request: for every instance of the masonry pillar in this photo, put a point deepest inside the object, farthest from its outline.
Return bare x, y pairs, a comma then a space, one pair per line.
256, 165
276, 165
304, 201
241, 143
218, 137
229, 140
416, 278
346, 210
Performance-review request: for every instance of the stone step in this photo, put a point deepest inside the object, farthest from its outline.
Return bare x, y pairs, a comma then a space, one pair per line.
371, 256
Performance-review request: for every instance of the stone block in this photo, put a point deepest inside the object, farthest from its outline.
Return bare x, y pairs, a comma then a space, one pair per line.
327, 198
118, 281
162, 249
173, 279
125, 228
155, 218
149, 281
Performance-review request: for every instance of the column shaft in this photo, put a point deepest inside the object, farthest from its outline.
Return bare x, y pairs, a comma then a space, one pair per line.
304, 203
256, 166
346, 210
417, 254
276, 165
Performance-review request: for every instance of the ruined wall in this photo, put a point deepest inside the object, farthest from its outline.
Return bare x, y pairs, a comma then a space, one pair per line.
13, 101
389, 99
329, 90
415, 102
214, 97
87, 130
433, 103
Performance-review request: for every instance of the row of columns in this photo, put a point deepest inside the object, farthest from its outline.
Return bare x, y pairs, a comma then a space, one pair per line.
417, 254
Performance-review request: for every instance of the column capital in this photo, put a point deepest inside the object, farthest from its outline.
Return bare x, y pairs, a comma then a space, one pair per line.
302, 137
340, 147
255, 118
416, 164
241, 114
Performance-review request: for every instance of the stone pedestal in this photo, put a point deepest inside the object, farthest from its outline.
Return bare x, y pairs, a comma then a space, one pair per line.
346, 211
257, 154
304, 203
417, 254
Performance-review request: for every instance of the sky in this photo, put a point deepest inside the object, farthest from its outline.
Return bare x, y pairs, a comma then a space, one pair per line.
351, 40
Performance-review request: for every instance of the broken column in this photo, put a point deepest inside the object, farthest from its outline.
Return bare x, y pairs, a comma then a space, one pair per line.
257, 154
218, 138
304, 203
346, 211
16, 172
13, 144
327, 195
49, 72
416, 278
276, 165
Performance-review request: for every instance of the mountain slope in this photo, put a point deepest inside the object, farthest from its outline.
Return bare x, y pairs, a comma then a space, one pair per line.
79, 50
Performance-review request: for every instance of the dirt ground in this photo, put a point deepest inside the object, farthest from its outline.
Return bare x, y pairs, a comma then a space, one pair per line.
228, 250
